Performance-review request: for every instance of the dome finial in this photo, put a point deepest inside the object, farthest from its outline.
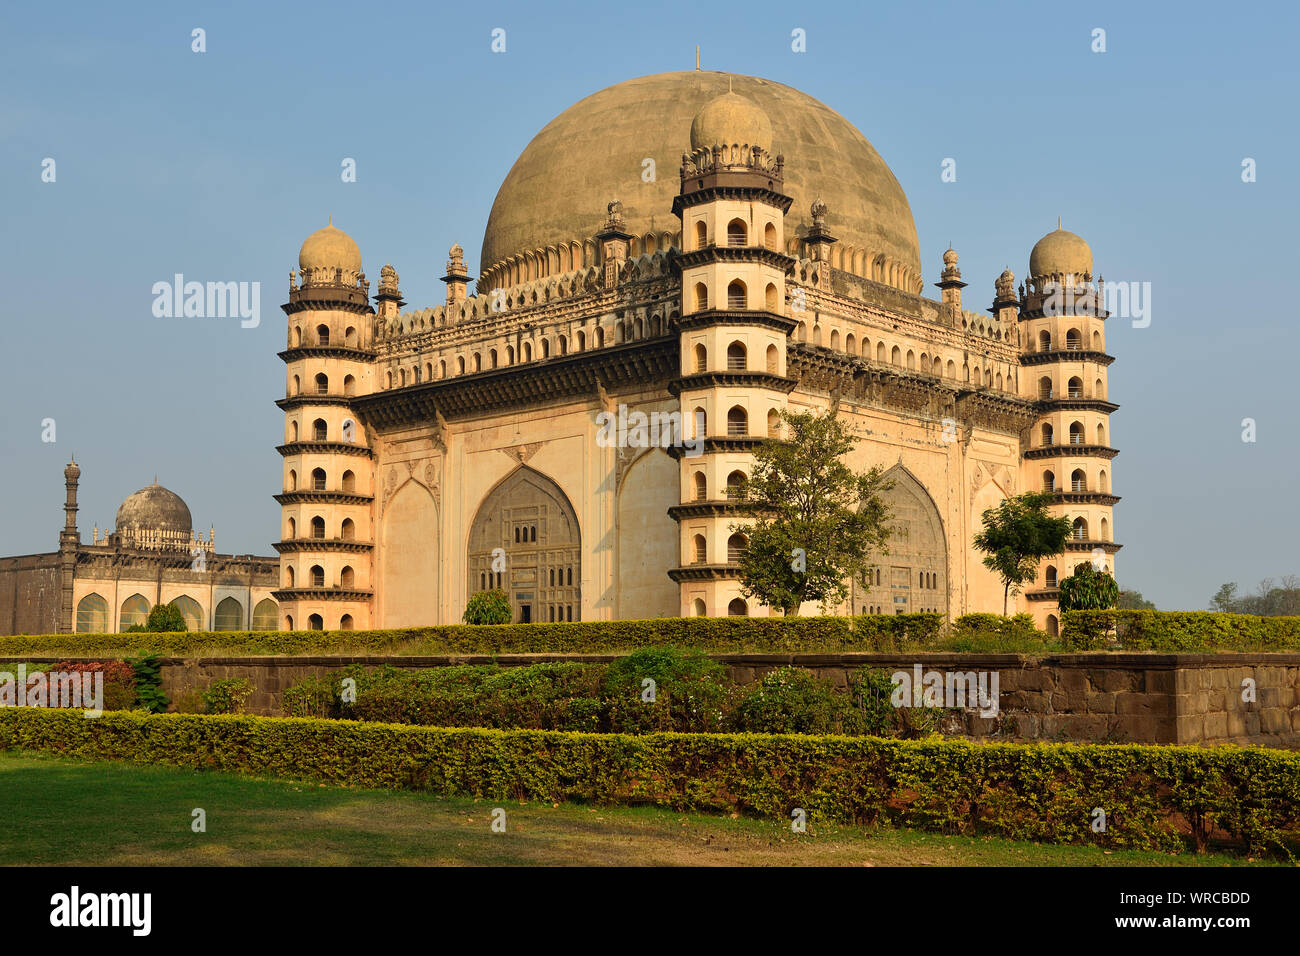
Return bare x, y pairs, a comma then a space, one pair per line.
697, 56
331, 219
1058, 222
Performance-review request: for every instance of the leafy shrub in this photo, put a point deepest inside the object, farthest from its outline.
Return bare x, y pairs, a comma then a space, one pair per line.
1088, 589
692, 693
1046, 792
488, 607
312, 697
1175, 632
994, 634
882, 632
165, 618
147, 669
790, 700
228, 696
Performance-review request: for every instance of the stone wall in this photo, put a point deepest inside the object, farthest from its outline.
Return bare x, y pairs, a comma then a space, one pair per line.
1114, 698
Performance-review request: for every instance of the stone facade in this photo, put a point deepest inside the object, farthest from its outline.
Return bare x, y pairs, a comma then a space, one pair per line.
432, 453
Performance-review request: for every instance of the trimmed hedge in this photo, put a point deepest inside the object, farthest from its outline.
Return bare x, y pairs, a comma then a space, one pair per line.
738, 634
1178, 631
1154, 797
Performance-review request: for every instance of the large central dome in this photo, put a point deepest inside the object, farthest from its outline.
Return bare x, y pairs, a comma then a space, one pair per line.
595, 152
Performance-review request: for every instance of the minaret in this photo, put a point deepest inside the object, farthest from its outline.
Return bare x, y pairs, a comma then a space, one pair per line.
457, 277
733, 331
69, 543
327, 504
1068, 452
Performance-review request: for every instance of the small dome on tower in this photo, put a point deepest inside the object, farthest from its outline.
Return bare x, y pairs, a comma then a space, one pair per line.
950, 257
73, 471
1060, 253
154, 509
731, 120
330, 248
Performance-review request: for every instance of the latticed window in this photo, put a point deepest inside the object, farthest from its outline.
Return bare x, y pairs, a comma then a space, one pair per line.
229, 616
737, 422
736, 233
736, 357
736, 546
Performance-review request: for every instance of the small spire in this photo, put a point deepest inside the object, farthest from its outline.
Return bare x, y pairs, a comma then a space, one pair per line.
1058, 223
729, 83
155, 478
697, 56
331, 219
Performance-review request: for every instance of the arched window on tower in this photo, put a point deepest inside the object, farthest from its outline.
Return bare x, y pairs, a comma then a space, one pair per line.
737, 421
736, 296
1078, 480
736, 233
736, 357
1044, 388
348, 530
1049, 576
322, 335
1075, 386
1044, 341
1079, 530
773, 360
1076, 433
1048, 438
1049, 481
349, 385
737, 608
318, 430
318, 527
322, 383
701, 358
318, 479
349, 483
736, 546
736, 482
1073, 341
769, 236
700, 550
701, 234
701, 297
771, 299
701, 487
317, 576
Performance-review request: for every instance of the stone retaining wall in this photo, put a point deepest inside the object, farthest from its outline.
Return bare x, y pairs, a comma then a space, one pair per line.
1115, 698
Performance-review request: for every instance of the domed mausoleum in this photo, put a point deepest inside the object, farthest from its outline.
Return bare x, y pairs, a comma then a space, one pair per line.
669, 264
151, 556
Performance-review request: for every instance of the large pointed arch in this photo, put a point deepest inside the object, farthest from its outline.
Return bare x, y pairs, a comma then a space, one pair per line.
913, 576
409, 558
539, 562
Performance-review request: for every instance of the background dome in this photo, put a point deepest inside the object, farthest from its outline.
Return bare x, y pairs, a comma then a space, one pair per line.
154, 509
593, 152
329, 248
1060, 253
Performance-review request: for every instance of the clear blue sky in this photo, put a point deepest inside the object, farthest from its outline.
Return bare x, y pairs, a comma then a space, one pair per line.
217, 165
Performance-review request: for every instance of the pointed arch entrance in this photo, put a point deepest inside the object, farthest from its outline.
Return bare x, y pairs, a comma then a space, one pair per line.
534, 525
913, 576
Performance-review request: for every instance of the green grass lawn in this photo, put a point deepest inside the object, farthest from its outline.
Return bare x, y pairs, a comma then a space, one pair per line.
58, 811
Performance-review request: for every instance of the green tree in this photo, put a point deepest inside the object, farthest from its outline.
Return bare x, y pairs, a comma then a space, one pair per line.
165, 617
1225, 599
816, 522
1088, 589
1018, 534
1134, 601
488, 607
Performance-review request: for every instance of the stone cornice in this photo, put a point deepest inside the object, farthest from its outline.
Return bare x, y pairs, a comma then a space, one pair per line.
1080, 404
331, 296
323, 594
709, 318
731, 379
324, 448
305, 545
1110, 547
704, 509
305, 496
1084, 498
326, 352
719, 443
1070, 451
715, 253
1065, 355
633, 365
298, 401
705, 572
